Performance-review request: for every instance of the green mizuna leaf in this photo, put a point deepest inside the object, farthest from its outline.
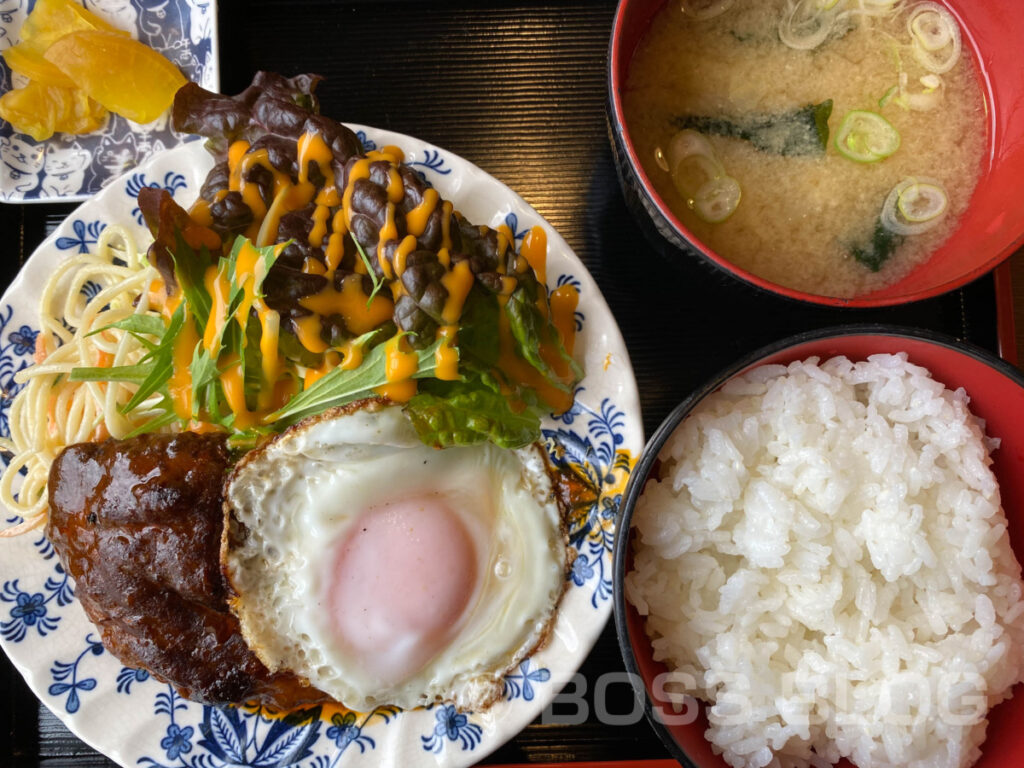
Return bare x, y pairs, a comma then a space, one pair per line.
137, 324
268, 257
240, 338
152, 325
341, 386
135, 374
152, 373
252, 360
164, 419
190, 270
203, 371
162, 361
377, 282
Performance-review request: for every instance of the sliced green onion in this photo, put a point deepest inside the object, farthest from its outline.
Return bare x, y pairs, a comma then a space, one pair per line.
931, 30
876, 7
915, 205
705, 9
699, 176
921, 201
936, 37
690, 143
691, 172
928, 99
924, 101
866, 137
691, 161
717, 199
805, 24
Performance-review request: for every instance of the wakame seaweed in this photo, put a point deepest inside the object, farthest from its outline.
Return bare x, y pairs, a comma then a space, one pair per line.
874, 253
801, 131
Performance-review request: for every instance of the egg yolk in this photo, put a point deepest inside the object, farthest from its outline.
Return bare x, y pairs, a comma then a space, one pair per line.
399, 581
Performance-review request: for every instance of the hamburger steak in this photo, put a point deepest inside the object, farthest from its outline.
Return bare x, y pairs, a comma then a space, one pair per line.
137, 523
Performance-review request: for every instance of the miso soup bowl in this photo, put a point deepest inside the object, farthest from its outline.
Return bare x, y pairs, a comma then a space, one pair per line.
996, 390
990, 230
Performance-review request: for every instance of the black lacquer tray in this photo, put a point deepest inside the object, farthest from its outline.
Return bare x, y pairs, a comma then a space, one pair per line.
520, 90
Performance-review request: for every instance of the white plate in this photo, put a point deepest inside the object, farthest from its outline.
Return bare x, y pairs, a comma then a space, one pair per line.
138, 721
68, 168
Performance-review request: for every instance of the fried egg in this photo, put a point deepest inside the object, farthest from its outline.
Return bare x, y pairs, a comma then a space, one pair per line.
384, 571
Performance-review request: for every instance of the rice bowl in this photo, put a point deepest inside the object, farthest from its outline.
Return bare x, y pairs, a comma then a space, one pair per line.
830, 610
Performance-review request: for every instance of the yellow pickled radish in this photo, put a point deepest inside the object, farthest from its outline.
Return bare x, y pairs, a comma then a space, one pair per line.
42, 110
30, 110
26, 60
122, 74
50, 20
84, 115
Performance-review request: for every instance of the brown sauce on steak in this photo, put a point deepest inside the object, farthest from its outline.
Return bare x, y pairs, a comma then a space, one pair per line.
137, 523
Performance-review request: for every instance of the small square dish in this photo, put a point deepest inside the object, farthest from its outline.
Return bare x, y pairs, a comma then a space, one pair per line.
68, 168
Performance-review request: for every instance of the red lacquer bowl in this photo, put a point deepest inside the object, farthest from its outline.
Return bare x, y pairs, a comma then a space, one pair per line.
996, 390
990, 230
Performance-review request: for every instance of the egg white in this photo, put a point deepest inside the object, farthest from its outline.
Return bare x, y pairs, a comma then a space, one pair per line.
289, 502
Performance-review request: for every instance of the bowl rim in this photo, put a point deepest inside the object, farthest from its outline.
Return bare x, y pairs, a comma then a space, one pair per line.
638, 477
617, 125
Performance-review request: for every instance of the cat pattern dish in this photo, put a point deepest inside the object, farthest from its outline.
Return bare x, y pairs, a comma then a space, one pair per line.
69, 168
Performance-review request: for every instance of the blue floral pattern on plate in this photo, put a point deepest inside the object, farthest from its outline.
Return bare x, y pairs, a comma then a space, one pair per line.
66, 681
16, 348
452, 726
523, 680
68, 167
32, 611
596, 441
85, 236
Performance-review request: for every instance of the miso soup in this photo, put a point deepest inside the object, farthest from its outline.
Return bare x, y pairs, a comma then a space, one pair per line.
827, 149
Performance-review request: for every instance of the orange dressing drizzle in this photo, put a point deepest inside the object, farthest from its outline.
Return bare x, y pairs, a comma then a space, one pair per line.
395, 189
388, 233
217, 286
416, 219
446, 225
308, 328
535, 250
407, 246
232, 380
400, 364
319, 230
352, 355
447, 357
313, 266
200, 212
313, 375
352, 303
313, 149
271, 360
564, 301
179, 386
457, 281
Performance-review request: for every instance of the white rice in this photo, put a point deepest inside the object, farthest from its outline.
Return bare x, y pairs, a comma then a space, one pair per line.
825, 558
